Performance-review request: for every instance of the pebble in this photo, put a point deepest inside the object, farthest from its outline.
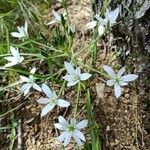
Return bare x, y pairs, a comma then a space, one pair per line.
127, 96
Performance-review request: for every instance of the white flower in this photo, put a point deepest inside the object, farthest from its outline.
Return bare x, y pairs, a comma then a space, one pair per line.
22, 31
30, 82
57, 17
71, 130
51, 101
110, 17
15, 59
74, 75
118, 80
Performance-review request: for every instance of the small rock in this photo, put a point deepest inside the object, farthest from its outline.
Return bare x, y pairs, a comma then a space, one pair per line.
108, 128
100, 87
127, 96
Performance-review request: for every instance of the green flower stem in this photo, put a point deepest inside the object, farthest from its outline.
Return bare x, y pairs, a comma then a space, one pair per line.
62, 88
77, 99
51, 48
10, 85
66, 9
22, 72
11, 110
94, 70
24, 54
22, 44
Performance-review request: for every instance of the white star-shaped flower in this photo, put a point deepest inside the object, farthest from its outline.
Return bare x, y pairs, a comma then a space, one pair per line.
57, 17
15, 59
71, 130
51, 101
110, 18
74, 75
117, 80
22, 31
30, 82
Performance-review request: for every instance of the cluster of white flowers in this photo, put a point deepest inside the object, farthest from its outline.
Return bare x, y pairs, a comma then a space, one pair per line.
73, 77
110, 19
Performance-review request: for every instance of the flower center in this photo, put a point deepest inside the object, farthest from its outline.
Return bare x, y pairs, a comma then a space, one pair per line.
32, 79
75, 77
71, 128
117, 80
53, 100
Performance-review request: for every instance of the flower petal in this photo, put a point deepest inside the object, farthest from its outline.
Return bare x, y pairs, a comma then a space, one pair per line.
62, 103
77, 139
67, 78
10, 64
85, 76
121, 83
37, 87
129, 77
110, 82
56, 15
121, 72
25, 79
25, 88
69, 68
113, 16
97, 17
47, 109
67, 139
51, 22
78, 71
101, 30
33, 70
43, 100
16, 34
9, 58
109, 71
62, 137
117, 90
63, 121
20, 29
21, 59
91, 25
73, 121
47, 90
60, 127
72, 83
80, 135
82, 124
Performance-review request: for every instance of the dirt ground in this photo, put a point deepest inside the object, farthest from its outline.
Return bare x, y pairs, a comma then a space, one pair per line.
125, 122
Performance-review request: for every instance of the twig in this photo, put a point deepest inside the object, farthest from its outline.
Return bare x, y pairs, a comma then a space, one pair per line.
20, 134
